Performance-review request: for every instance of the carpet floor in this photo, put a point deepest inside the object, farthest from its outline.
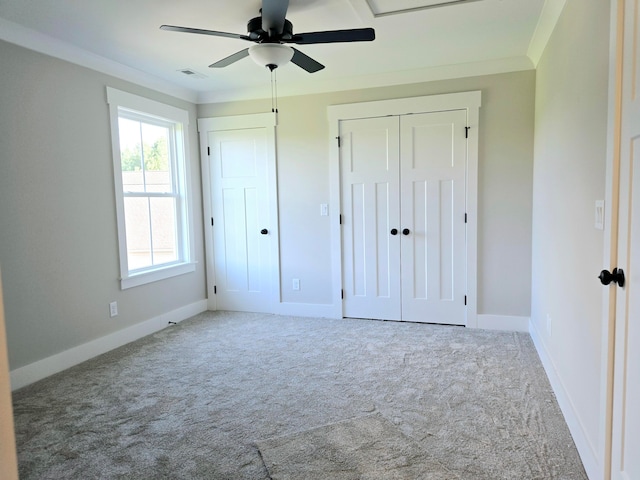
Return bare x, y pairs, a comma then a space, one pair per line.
253, 396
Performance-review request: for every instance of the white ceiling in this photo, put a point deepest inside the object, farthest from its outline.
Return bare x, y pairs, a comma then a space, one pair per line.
484, 36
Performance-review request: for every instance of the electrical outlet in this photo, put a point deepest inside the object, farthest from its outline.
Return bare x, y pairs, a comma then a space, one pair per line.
296, 284
549, 330
113, 309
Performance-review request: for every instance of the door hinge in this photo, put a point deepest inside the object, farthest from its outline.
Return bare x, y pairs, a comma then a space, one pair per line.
465, 218
212, 221
209, 151
215, 290
466, 132
340, 216
465, 299
339, 142
342, 294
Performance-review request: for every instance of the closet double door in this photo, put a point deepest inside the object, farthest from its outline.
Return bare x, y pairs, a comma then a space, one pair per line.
403, 217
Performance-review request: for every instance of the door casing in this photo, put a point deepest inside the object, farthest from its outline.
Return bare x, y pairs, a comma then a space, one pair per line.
469, 101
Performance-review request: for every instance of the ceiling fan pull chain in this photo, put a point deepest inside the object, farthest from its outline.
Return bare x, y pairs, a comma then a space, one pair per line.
274, 91
275, 76
273, 95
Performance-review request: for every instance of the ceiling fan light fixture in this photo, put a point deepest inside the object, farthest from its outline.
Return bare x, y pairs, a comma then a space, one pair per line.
271, 55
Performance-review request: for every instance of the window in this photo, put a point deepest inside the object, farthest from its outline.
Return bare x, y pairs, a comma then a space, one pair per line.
150, 173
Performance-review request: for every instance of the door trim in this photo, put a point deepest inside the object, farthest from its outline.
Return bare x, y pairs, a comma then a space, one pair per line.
268, 121
469, 101
602, 457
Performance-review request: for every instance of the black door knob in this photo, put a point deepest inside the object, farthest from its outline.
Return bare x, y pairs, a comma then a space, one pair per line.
264, 231
617, 276
406, 231
394, 231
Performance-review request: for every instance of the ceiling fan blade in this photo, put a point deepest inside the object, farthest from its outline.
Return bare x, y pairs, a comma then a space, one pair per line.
230, 59
174, 28
273, 15
305, 62
334, 36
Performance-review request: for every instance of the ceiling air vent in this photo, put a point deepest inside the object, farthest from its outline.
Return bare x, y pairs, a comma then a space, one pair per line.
190, 72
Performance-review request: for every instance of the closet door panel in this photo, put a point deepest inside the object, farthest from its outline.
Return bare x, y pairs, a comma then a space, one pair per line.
433, 253
369, 165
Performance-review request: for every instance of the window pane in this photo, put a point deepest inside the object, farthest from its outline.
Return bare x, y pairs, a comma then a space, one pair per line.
136, 214
156, 158
131, 155
163, 222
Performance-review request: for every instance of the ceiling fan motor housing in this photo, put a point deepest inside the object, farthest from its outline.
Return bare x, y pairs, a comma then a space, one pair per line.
257, 34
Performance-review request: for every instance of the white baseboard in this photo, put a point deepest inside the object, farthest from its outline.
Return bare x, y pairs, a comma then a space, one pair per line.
586, 450
509, 323
23, 376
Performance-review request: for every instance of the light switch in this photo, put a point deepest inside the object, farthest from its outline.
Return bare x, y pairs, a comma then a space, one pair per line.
324, 209
599, 223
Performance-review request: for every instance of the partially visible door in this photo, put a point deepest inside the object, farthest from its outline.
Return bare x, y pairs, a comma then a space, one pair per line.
433, 168
8, 457
370, 204
242, 227
625, 463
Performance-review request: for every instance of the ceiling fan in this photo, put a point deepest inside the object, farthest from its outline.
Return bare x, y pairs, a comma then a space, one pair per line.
271, 32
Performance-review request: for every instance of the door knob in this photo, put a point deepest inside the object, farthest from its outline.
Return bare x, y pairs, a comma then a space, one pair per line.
264, 231
406, 231
394, 231
617, 276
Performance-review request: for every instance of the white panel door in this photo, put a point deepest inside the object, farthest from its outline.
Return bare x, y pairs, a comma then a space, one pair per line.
626, 405
370, 209
432, 171
403, 206
242, 227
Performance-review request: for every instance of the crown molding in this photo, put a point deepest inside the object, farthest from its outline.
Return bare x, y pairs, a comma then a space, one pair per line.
25, 37
446, 72
551, 11
39, 42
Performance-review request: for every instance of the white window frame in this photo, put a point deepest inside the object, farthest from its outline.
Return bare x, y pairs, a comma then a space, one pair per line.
150, 111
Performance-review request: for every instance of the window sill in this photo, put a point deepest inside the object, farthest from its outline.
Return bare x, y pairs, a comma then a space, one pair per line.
162, 273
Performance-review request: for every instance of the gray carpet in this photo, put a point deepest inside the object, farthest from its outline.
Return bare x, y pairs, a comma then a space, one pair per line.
251, 396
368, 447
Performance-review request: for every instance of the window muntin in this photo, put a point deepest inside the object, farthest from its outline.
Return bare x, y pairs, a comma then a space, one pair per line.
150, 176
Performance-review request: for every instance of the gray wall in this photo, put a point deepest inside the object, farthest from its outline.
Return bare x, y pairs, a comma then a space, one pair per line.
58, 236
58, 241
569, 176
505, 185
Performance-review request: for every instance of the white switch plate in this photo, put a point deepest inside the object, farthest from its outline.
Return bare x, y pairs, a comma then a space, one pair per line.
599, 220
296, 284
113, 309
324, 209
